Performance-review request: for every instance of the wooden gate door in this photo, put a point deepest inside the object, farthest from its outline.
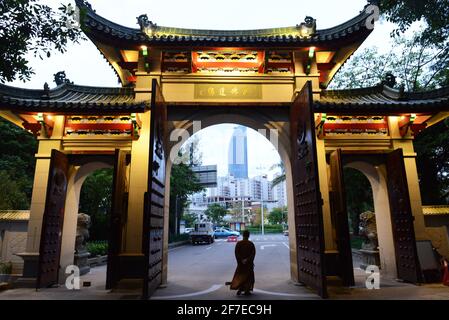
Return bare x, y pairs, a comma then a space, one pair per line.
117, 218
307, 196
154, 198
338, 198
408, 268
53, 221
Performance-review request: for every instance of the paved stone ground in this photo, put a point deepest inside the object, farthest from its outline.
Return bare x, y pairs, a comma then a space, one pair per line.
200, 272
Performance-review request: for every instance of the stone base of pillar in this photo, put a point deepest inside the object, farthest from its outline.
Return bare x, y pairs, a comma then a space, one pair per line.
30, 266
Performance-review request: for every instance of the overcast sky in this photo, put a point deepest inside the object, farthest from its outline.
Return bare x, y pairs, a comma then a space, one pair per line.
85, 65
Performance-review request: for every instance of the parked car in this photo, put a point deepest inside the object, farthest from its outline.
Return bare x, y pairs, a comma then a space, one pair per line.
204, 232
225, 232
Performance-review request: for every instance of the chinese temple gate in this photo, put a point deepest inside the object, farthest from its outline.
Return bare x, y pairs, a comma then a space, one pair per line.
273, 79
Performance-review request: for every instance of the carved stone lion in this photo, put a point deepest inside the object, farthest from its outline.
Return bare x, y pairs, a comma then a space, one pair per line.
82, 232
368, 230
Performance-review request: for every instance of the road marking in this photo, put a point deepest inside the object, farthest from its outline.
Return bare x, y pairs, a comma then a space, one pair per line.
267, 245
282, 293
288, 247
215, 287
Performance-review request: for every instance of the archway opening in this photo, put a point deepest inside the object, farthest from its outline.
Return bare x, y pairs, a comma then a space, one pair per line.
374, 247
88, 205
361, 216
235, 167
95, 201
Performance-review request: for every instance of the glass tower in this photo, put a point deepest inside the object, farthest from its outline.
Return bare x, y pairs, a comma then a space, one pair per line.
238, 153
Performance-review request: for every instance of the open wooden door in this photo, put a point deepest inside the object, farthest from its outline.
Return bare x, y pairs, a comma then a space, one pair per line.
154, 198
340, 214
117, 218
307, 196
408, 267
53, 221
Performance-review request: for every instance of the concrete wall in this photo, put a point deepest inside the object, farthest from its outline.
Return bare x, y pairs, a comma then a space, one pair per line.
13, 236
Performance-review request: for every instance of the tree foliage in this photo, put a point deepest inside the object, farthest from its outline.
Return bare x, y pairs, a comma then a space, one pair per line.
183, 182
278, 215
215, 213
17, 163
434, 13
359, 196
417, 66
95, 200
29, 26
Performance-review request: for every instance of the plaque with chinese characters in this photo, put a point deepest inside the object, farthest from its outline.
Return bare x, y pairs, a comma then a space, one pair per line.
227, 91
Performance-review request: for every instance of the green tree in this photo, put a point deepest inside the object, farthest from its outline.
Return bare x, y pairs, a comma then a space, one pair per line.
359, 196
215, 213
280, 178
434, 14
417, 66
278, 216
189, 218
12, 194
17, 162
95, 200
183, 182
30, 26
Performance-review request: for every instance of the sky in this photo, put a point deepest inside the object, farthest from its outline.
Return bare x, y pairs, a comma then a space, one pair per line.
84, 64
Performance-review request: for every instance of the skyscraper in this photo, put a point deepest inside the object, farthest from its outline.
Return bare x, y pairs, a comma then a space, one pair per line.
238, 153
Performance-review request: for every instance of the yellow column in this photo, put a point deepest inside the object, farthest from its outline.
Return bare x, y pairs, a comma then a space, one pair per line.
38, 196
324, 189
406, 144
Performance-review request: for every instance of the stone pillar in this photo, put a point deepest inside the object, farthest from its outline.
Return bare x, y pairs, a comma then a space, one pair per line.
406, 143
131, 258
330, 244
37, 207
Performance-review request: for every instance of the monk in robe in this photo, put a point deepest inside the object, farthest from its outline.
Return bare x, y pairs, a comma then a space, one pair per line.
243, 280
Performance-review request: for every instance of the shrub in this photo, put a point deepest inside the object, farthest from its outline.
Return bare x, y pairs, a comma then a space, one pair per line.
97, 248
178, 237
6, 268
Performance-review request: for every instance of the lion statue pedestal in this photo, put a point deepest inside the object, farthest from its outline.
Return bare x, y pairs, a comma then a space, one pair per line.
82, 234
370, 247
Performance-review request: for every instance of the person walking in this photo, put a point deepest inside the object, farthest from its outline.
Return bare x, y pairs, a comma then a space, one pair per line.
245, 252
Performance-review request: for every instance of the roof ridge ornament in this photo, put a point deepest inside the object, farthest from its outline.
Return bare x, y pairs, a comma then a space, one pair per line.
61, 78
147, 26
307, 29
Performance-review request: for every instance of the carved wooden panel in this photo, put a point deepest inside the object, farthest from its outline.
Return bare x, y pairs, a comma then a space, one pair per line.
307, 196
340, 214
53, 220
117, 218
154, 198
407, 262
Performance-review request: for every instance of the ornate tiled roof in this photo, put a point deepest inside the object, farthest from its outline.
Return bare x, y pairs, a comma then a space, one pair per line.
382, 99
98, 27
440, 210
68, 98
14, 215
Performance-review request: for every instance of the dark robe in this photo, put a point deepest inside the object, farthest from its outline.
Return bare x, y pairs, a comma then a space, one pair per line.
243, 280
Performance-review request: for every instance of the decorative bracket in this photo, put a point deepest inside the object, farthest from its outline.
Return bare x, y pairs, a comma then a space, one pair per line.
413, 122
319, 124
137, 125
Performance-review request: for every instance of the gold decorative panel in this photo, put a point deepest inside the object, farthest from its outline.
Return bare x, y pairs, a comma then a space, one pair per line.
227, 91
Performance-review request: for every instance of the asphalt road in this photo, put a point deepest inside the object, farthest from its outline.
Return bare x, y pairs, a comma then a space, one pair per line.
201, 271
